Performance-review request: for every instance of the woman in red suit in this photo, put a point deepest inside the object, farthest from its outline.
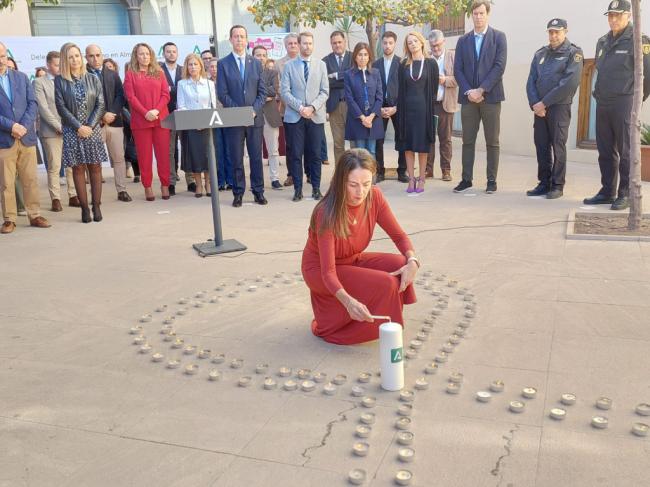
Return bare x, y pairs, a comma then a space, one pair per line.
147, 92
349, 285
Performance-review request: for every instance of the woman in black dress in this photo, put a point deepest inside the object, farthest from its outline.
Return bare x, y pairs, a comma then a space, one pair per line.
418, 87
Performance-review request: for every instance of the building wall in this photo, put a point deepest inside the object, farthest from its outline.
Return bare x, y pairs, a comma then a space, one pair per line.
15, 22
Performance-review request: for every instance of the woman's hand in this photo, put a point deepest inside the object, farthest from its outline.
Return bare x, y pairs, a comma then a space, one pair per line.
84, 131
151, 115
407, 275
358, 311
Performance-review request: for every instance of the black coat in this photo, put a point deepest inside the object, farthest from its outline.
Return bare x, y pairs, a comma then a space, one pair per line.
391, 90
171, 106
113, 90
66, 104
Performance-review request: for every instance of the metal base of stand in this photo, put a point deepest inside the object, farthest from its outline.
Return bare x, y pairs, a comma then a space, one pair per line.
206, 249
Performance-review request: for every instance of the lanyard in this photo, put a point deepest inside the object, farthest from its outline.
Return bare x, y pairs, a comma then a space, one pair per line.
411, 70
366, 100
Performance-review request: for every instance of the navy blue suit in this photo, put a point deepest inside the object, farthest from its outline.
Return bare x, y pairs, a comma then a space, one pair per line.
22, 110
356, 91
249, 92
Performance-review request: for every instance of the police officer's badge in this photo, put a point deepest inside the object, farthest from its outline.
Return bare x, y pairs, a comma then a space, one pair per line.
578, 57
554, 22
646, 49
541, 61
614, 4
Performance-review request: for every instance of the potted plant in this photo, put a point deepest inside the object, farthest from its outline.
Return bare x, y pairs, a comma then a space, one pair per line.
645, 152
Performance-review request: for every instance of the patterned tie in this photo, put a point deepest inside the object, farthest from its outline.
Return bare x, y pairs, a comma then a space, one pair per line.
305, 69
241, 68
339, 61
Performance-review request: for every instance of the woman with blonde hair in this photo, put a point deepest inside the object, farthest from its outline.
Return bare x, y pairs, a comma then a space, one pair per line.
347, 284
147, 92
418, 88
79, 99
196, 92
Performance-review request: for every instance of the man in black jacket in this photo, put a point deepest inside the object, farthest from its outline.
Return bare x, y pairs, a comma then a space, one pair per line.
337, 62
112, 125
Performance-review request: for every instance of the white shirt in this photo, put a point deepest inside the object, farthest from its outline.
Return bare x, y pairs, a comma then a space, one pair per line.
172, 72
387, 64
195, 95
441, 71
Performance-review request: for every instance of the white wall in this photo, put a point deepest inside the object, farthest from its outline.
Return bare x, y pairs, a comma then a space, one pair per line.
15, 22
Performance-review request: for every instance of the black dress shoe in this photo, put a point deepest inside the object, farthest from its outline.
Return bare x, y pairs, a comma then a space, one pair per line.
172, 190
539, 190
491, 187
554, 194
402, 178
380, 177
222, 188
236, 202
260, 199
463, 186
621, 203
297, 196
136, 179
276, 185
599, 199
228, 187
124, 196
316, 194
191, 187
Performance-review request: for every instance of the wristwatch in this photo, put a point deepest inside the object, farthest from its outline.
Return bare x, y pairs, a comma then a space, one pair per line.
413, 259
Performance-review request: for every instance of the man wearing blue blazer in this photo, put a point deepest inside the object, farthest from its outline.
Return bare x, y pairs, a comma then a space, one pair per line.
18, 111
479, 66
304, 89
240, 84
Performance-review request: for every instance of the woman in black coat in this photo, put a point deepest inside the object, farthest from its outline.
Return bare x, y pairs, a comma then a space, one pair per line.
416, 127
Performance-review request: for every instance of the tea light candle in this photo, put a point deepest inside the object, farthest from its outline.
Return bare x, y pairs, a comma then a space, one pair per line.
441, 357
406, 396
161, 309
599, 422
288, 281
403, 423
241, 282
431, 368
204, 353
364, 377
146, 348
405, 454
436, 312
214, 375
139, 340
405, 409
358, 391
497, 386
357, 476
369, 402
340, 379
453, 388
290, 385
319, 377
568, 399
428, 287
259, 279
189, 350
191, 369
157, 357
252, 289
640, 429
145, 318
435, 292
470, 314
183, 301
304, 374
135, 330
428, 274
464, 324
200, 294
421, 384
308, 385
461, 291
422, 336
420, 282
403, 477
454, 339
643, 409
284, 371
173, 364
220, 287
517, 406
278, 275
181, 312
456, 377
219, 358
448, 348
558, 414
214, 299
404, 438
360, 448
604, 403
198, 304
429, 321
367, 418
416, 344
460, 332
261, 368
483, 396
268, 284
169, 320
442, 305
529, 392
441, 277
362, 431
178, 343
245, 381
468, 297
411, 353
170, 336
270, 383
236, 363
426, 329
166, 329
452, 283
329, 389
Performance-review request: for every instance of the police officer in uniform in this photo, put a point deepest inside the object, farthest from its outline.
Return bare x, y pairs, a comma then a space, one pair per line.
552, 83
614, 92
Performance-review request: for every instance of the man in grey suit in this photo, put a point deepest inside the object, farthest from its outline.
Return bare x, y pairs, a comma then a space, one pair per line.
304, 90
50, 132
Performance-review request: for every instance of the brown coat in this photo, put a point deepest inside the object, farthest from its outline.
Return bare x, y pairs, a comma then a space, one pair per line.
450, 99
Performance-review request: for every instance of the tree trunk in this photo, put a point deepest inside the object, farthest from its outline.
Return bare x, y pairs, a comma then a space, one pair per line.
636, 197
370, 32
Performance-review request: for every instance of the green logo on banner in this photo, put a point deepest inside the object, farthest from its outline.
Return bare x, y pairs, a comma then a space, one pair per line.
10, 54
197, 50
396, 355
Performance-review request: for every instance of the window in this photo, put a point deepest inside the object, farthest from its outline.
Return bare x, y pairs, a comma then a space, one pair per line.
587, 107
79, 17
450, 24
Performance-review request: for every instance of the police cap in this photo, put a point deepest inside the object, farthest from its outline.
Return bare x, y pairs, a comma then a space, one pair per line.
557, 24
619, 6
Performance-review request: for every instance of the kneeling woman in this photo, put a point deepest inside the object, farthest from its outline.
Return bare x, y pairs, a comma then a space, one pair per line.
349, 285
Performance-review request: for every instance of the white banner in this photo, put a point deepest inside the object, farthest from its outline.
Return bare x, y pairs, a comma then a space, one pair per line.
30, 52
274, 43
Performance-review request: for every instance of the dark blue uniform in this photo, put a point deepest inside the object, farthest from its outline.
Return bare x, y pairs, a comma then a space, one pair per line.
554, 79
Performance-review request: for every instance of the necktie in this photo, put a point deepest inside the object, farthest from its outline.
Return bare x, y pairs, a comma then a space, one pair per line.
305, 68
241, 68
339, 61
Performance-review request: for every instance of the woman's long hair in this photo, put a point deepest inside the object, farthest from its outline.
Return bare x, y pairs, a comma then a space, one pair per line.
153, 70
333, 206
186, 72
65, 64
408, 57
357, 49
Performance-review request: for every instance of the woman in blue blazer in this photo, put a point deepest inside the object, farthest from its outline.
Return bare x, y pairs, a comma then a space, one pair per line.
363, 94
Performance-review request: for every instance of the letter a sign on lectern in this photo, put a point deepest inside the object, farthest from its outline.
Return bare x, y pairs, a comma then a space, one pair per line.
209, 119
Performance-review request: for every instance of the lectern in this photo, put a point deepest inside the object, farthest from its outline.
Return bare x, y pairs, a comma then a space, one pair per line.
210, 119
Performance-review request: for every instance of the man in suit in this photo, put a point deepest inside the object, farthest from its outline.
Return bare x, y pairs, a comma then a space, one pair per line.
445, 106
479, 66
388, 67
50, 131
174, 73
293, 51
305, 90
240, 84
112, 124
17, 146
337, 62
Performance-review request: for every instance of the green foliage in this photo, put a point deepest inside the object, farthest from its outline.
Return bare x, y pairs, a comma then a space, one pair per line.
10, 3
645, 134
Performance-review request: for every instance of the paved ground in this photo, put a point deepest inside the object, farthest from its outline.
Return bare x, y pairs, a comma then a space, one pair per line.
80, 407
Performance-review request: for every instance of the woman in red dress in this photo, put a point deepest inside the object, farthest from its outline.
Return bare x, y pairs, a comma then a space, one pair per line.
348, 286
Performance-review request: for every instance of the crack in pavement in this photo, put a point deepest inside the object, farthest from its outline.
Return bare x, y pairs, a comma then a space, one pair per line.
497, 471
341, 417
